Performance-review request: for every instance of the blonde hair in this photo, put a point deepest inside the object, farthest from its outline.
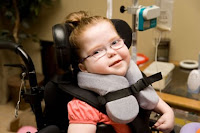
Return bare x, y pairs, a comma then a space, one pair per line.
80, 21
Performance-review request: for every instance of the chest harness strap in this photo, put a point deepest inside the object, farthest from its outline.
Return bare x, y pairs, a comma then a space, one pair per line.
132, 90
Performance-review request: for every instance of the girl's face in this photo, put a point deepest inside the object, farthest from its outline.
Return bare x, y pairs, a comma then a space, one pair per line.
98, 38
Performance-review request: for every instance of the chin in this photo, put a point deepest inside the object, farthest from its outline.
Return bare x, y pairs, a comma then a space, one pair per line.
121, 73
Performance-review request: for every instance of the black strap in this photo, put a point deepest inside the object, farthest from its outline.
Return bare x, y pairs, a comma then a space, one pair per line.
67, 85
99, 101
132, 90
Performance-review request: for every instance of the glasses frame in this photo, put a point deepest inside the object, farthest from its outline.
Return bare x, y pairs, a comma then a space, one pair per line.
92, 55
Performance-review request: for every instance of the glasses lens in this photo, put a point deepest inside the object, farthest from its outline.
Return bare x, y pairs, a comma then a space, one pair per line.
117, 44
99, 54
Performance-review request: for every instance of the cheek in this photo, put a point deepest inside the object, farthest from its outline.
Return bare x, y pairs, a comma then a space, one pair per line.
96, 67
125, 54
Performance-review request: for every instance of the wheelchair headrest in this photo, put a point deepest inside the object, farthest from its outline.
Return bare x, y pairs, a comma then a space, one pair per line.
64, 51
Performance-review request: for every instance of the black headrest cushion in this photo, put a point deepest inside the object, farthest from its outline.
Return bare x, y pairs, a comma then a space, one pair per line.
124, 30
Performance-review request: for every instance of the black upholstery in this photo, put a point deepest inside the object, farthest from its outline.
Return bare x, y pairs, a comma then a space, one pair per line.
61, 34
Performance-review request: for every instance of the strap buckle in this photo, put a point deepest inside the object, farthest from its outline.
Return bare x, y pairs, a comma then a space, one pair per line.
102, 100
139, 85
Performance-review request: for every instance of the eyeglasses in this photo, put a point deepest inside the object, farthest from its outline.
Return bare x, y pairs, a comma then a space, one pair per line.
100, 52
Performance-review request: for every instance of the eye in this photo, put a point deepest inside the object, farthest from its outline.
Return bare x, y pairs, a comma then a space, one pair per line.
115, 42
97, 52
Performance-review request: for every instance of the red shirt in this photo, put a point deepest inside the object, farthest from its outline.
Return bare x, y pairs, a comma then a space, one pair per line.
80, 112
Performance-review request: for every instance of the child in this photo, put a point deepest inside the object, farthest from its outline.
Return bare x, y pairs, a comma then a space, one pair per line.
101, 53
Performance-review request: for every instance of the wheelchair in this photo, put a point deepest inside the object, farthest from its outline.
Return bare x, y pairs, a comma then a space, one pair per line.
54, 118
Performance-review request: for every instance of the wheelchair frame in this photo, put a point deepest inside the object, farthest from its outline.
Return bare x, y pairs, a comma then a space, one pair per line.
35, 94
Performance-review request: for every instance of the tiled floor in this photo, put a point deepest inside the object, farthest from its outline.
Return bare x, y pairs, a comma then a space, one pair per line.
6, 116
10, 124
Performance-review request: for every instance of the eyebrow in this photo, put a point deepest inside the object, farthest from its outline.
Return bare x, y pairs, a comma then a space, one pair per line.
100, 45
94, 48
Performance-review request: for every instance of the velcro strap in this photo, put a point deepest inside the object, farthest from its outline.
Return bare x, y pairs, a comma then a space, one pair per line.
111, 96
145, 82
133, 89
153, 78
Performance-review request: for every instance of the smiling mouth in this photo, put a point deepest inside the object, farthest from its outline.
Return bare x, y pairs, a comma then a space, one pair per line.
116, 62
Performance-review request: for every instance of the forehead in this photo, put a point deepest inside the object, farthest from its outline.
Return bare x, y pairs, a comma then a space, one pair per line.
103, 29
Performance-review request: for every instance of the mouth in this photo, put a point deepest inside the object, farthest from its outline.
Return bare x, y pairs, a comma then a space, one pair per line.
115, 63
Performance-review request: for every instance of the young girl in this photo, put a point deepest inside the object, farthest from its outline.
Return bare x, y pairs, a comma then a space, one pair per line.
101, 51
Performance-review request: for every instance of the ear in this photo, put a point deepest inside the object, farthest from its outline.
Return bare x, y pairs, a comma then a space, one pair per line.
82, 67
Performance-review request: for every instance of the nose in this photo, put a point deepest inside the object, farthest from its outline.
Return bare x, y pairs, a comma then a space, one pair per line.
111, 52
